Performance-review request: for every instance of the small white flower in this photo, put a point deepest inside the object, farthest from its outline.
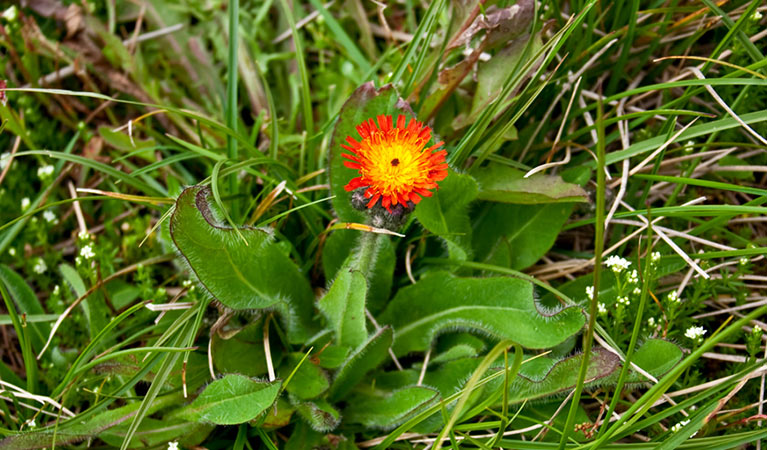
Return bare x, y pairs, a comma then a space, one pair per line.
651, 322
695, 333
173, 445
56, 290
756, 329
50, 217
636, 291
634, 277
679, 425
601, 308
40, 267
31, 423
44, 172
11, 14
87, 252
743, 261
624, 300
756, 16
25, 203
12, 251
84, 236
589, 292
655, 257
617, 264
4, 159
672, 297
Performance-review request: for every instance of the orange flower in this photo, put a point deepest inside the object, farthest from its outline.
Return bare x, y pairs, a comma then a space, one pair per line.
392, 161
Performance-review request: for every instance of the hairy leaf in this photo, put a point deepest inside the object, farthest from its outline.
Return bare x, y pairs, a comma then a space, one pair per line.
446, 213
319, 414
386, 411
231, 400
499, 183
362, 360
344, 307
501, 307
256, 275
309, 381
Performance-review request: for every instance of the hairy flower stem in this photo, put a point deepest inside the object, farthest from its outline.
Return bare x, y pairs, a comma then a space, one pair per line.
366, 254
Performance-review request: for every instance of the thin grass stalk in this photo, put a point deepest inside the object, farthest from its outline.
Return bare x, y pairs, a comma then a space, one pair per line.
306, 98
635, 332
231, 97
598, 249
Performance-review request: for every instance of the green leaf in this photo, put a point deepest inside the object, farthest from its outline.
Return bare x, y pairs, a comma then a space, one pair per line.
543, 377
308, 382
227, 352
26, 303
499, 183
386, 411
500, 307
253, 276
517, 236
320, 415
341, 243
231, 400
446, 213
365, 103
362, 360
344, 307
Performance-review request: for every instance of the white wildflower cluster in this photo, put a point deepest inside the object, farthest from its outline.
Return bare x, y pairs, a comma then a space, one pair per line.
173, 445
672, 297
31, 423
50, 217
651, 322
589, 292
634, 277
84, 236
189, 284
25, 203
679, 425
756, 16
87, 252
45, 172
637, 290
12, 251
11, 14
617, 264
602, 309
40, 267
655, 257
743, 261
624, 300
695, 333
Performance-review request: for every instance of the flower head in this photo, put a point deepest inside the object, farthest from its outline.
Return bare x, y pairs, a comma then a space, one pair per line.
393, 163
695, 333
87, 252
617, 264
40, 267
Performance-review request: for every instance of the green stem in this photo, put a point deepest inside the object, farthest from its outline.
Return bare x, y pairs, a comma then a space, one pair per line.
637, 327
231, 97
366, 253
588, 337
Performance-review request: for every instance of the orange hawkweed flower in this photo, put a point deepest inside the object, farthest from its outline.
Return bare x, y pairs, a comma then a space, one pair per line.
393, 163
